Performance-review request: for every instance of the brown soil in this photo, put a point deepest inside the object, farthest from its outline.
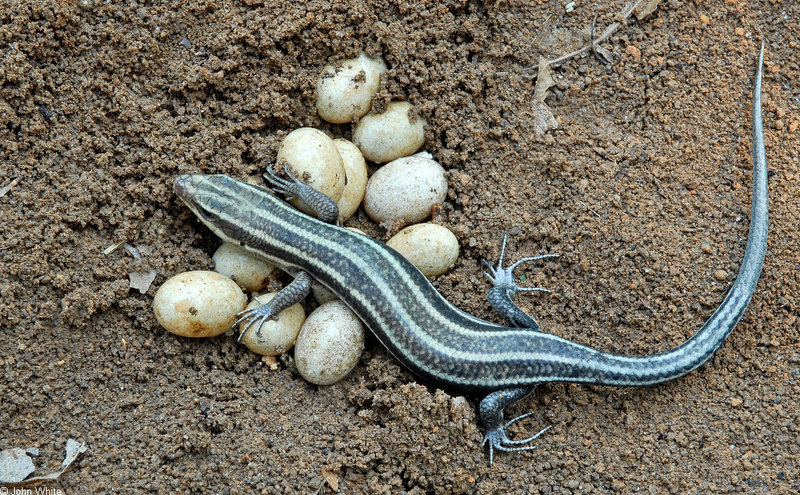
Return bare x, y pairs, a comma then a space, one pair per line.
644, 189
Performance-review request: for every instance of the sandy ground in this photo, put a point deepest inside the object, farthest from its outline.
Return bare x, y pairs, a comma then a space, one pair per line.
644, 190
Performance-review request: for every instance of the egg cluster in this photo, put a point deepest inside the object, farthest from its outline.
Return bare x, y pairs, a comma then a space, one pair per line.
403, 191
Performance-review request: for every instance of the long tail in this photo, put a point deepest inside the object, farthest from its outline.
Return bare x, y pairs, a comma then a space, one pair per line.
658, 368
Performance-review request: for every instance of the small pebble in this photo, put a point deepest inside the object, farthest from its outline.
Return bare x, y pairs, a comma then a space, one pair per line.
315, 160
406, 188
721, 275
460, 406
251, 273
276, 336
355, 186
430, 247
198, 304
345, 89
398, 131
329, 344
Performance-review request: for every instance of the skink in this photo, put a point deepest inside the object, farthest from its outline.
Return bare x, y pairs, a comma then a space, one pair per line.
433, 338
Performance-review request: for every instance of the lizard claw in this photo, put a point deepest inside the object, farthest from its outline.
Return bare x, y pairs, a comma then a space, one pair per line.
323, 206
497, 438
503, 278
255, 316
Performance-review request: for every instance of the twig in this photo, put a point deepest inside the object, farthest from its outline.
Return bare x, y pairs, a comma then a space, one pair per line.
4, 190
591, 210
602, 58
591, 37
110, 249
625, 14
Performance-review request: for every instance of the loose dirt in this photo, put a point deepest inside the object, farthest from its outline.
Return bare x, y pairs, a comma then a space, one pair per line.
643, 189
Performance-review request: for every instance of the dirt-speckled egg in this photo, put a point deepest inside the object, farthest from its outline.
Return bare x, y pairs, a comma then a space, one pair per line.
330, 344
198, 304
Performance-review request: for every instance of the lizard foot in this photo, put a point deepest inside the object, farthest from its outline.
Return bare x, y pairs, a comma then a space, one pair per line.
498, 439
503, 278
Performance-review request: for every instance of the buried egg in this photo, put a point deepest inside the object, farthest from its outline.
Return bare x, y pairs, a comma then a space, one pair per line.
314, 159
345, 89
406, 188
398, 131
329, 344
355, 186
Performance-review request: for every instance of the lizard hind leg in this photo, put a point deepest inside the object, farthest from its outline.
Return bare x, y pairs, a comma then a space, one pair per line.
491, 410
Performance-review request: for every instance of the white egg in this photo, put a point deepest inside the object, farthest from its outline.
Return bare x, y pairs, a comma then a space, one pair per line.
431, 248
398, 131
322, 294
315, 160
251, 273
406, 188
330, 344
355, 169
345, 89
198, 304
275, 336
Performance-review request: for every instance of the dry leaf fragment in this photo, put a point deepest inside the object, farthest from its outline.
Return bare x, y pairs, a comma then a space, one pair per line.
645, 8
73, 450
331, 478
132, 249
15, 465
4, 190
544, 79
141, 281
604, 53
544, 119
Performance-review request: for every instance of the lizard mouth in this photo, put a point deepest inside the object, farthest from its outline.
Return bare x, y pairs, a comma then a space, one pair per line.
182, 185
188, 188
